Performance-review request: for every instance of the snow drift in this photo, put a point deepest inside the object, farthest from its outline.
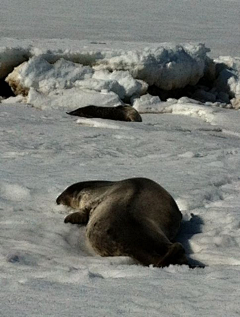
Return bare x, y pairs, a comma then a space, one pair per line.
67, 79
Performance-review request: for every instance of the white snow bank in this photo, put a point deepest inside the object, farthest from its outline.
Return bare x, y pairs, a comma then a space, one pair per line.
40, 74
126, 73
50, 84
182, 106
188, 107
212, 113
129, 85
166, 67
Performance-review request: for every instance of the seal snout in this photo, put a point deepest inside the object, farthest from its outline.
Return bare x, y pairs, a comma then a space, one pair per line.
58, 200
64, 199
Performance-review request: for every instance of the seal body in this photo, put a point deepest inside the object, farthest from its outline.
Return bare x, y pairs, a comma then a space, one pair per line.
121, 113
134, 217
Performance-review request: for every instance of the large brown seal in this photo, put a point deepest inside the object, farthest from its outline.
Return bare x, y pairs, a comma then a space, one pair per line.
121, 113
134, 217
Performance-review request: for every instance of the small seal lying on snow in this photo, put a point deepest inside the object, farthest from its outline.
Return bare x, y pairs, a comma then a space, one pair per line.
135, 217
121, 113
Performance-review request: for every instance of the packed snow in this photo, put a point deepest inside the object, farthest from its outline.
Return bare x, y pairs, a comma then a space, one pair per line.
46, 268
215, 22
188, 143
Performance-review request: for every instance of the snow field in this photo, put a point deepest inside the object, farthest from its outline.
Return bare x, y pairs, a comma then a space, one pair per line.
215, 23
46, 263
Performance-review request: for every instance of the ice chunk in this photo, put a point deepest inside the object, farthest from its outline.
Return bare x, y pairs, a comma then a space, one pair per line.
39, 74
70, 99
148, 103
228, 79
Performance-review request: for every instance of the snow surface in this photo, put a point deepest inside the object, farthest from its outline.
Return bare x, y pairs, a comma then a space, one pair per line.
46, 268
191, 148
215, 22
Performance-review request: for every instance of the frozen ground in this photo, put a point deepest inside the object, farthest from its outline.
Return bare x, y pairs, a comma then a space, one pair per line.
191, 148
215, 22
46, 268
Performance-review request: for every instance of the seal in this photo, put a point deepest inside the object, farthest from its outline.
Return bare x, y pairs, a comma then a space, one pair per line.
134, 217
121, 113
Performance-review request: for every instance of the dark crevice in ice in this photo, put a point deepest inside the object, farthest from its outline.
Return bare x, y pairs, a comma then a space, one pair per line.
5, 89
204, 91
166, 94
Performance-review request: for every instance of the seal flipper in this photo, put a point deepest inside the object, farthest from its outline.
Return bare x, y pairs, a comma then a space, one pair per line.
175, 255
77, 218
145, 242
